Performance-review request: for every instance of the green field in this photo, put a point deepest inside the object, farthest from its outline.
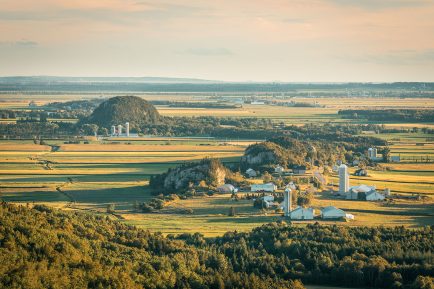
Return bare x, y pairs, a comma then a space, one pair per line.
116, 171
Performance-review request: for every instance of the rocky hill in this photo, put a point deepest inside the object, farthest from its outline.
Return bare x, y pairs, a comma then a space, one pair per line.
211, 171
121, 109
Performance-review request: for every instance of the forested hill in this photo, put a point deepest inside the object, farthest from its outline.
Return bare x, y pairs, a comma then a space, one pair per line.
45, 248
120, 109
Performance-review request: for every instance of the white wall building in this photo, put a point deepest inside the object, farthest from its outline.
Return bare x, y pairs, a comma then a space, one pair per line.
374, 196
344, 179
227, 188
301, 213
279, 169
269, 187
332, 212
353, 192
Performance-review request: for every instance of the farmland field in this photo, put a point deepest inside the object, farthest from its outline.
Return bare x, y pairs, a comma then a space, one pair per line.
116, 171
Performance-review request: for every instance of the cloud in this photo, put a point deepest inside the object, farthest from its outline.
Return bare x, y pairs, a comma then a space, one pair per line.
381, 4
208, 51
135, 12
19, 43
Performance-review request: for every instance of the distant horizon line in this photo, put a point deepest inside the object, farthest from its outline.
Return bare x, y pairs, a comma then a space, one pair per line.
202, 80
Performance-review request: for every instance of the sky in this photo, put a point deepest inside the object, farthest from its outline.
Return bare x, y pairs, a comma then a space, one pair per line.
230, 40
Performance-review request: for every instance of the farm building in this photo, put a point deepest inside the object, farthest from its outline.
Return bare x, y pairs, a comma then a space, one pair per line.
269, 201
332, 212
227, 188
299, 170
301, 213
251, 173
361, 173
353, 192
374, 196
269, 187
279, 169
395, 159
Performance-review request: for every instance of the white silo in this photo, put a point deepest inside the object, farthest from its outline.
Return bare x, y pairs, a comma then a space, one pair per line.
287, 202
372, 153
127, 129
344, 179
113, 130
119, 130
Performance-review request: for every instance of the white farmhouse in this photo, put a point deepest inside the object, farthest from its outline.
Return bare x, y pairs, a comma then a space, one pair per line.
332, 212
279, 169
301, 213
268, 187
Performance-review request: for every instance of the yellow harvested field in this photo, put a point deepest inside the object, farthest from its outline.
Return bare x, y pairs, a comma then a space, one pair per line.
371, 102
18, 147
411, 166
147, 148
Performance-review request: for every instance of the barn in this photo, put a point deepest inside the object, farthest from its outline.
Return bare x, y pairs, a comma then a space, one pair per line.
301, 213
227, 188
332, 212
268, 187
374, 196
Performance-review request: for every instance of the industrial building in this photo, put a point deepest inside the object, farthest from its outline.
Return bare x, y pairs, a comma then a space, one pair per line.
268, 187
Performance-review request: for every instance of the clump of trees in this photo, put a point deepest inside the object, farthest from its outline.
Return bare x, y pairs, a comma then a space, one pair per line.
47, 248
401, 115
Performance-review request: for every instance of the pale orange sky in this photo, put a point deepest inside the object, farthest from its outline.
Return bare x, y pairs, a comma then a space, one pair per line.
300, 40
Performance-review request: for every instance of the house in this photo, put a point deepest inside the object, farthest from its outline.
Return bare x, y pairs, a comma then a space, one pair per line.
279, 169
374, 196
301, 213
353, 192
269, 187
332, 212
269, 201
251, 173
349, 216
299, 170
227, 188
361, 173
